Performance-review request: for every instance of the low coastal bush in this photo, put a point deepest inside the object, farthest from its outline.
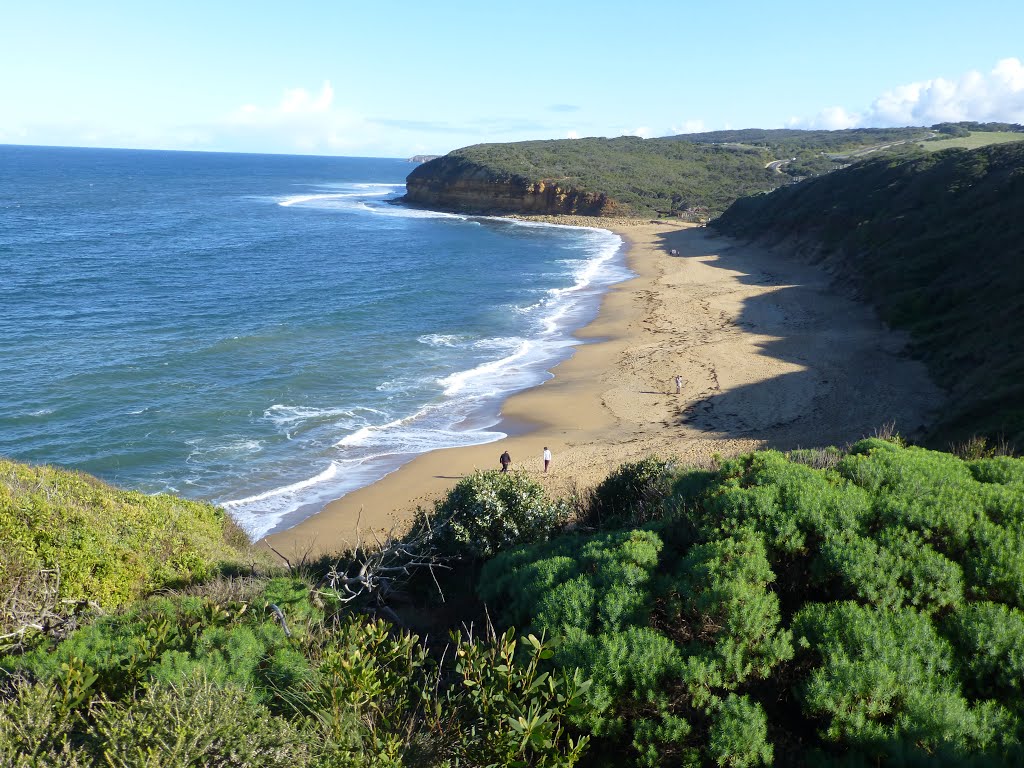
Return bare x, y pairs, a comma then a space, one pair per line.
866, 607
863, 609
632, 494
188, 680
69, 534
490, 511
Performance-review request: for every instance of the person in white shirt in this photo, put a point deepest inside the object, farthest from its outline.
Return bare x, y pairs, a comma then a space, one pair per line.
547, 459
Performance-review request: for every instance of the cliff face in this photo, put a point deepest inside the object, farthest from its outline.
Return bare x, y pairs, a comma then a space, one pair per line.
455, 184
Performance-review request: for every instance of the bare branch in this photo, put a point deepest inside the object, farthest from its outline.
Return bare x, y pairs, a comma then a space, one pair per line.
287, 562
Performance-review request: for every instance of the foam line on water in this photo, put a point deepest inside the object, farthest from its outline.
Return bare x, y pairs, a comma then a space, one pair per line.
467, 397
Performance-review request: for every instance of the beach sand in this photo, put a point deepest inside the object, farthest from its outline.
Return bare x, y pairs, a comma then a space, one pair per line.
770, 353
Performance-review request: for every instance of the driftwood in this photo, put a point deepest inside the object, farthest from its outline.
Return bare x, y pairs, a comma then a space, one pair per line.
376, 572
32, 603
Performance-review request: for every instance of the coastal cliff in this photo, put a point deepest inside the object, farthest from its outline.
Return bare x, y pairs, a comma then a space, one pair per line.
456, 183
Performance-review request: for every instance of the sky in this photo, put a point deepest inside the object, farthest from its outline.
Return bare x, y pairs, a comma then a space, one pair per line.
396, 78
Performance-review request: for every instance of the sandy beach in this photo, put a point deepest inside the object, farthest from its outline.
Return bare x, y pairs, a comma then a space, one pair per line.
771, 355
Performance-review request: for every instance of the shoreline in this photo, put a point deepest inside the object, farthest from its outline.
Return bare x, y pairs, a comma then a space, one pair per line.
771, 356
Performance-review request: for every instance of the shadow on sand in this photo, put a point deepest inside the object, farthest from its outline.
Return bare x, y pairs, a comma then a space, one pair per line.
855, 374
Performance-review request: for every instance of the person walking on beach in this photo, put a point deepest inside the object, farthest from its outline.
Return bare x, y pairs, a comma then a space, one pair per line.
679, 385
547, 459
505, 460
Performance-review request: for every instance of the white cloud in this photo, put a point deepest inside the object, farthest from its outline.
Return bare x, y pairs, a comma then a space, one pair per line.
301, 121
828, 119
643, 132
997, 96
572, 135
689, 126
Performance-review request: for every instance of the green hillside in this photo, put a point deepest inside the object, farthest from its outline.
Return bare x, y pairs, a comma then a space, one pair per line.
936, 243
862, 607
972, 140
90, 541
690, 174
643, 177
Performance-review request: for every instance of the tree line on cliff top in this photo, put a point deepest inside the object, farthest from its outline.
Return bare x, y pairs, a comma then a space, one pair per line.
936, 244
858, 606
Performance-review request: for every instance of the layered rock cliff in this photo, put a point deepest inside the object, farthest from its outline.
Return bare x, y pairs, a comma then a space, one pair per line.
454, 183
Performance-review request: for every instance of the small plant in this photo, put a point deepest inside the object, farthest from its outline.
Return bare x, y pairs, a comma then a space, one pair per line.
980, 447
513, 712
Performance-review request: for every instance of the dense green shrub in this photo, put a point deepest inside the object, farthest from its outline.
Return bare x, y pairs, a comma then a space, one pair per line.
167, 640
107, 545
607, 593
739, 735
632, 494
188, 680
490, 511
198, 724
990, 637
866, 606
888, 676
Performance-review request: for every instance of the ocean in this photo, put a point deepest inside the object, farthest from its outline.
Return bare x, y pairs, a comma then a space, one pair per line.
266, 332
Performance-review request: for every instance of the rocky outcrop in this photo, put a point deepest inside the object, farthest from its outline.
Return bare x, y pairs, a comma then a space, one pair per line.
453, 183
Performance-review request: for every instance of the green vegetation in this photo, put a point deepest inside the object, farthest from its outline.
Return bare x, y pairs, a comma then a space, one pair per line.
490, 511
787, 141
642, 177
213, 679
812, 153
692, 175
869, 612
66, 537
972, 140
862, 606
934, 243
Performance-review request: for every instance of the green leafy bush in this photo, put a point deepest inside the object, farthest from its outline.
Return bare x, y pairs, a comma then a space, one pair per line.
107, 545
490, 511
632, 494
168, 640
864, 608
198, 724
188, 680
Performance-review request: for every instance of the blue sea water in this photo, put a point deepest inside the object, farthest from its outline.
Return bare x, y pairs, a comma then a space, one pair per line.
266, 332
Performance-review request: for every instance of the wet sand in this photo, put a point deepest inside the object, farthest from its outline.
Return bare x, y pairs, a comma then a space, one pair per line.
770, 353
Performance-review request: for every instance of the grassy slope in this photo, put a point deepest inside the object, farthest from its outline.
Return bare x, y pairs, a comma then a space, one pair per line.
109, 545
936, 244
974, 141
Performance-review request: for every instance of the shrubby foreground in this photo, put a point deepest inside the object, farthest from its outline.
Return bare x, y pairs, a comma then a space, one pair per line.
862, 607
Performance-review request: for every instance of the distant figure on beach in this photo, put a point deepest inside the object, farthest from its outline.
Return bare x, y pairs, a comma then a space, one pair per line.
505, 460
679, 384
673, 252
547, 459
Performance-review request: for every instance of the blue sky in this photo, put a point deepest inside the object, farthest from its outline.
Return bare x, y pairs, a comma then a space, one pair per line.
397, 78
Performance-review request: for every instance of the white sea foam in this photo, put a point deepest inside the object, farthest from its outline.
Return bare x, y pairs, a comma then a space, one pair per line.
289, 415
204, 450
442, 339
457, 382
463, 412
